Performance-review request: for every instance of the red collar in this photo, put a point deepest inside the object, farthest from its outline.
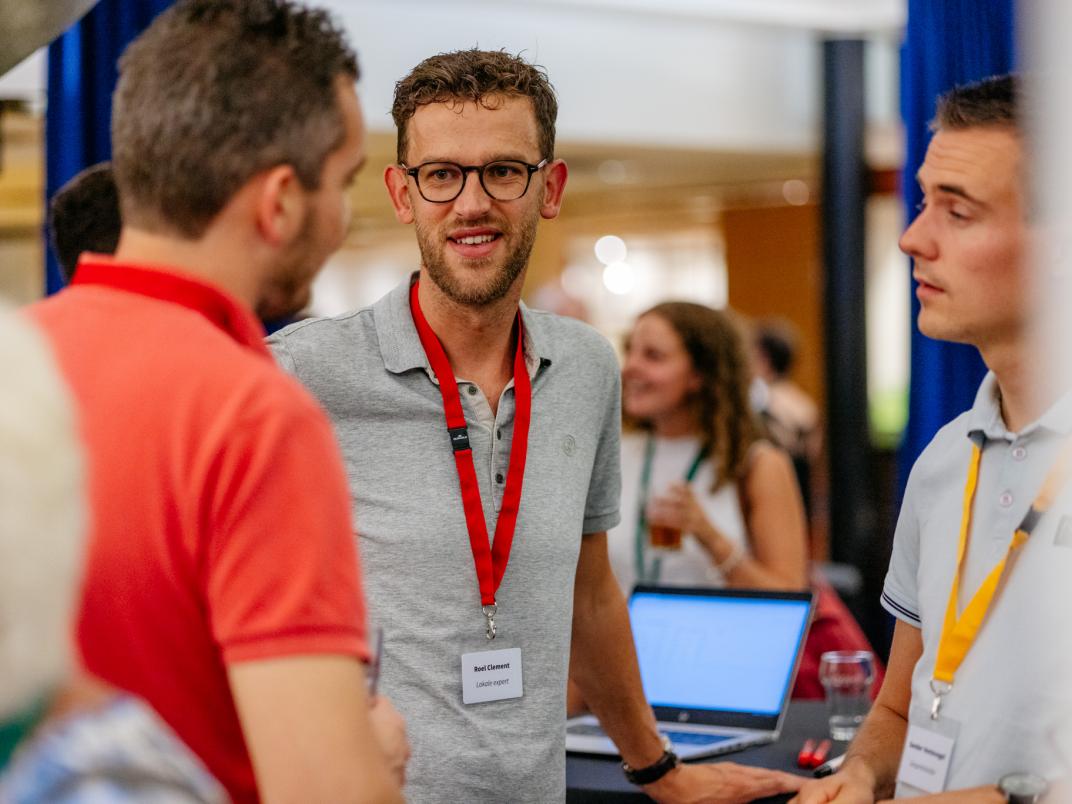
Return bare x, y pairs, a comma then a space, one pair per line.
171, 285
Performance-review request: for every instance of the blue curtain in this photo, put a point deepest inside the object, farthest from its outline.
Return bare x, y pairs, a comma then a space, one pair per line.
81, 76
947, 42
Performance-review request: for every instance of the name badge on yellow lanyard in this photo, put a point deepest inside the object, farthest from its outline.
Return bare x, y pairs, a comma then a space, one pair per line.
928, 751
931, 737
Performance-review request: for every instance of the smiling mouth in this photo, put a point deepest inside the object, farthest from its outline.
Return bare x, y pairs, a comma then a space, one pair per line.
475, 240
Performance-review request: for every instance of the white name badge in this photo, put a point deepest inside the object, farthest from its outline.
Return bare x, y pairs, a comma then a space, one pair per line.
491, 675
925, 760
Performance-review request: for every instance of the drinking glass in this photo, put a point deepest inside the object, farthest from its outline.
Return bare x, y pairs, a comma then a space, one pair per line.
847, 676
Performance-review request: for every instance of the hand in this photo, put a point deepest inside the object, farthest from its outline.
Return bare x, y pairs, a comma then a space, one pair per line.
390, 729
678, 508
847, 786
720, 783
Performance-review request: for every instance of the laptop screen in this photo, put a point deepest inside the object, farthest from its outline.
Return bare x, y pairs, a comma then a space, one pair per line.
724, 651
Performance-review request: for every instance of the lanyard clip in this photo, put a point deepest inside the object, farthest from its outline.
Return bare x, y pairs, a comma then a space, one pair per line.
939, 688
489, 613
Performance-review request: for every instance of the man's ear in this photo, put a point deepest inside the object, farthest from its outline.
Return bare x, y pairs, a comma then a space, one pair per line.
397, 183
554, 184
280, 205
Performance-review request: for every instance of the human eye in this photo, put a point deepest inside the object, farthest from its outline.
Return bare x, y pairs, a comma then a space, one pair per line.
440, 173
505, 171
959, 213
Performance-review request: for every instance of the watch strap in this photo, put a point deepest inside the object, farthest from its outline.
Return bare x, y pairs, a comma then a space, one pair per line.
655, 771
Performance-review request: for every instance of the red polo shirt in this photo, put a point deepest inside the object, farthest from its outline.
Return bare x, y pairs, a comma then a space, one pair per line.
221, 518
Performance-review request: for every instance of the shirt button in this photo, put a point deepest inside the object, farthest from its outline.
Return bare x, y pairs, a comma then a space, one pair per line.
498, 434
1005, 500
498, 477
1019, 453
472, 390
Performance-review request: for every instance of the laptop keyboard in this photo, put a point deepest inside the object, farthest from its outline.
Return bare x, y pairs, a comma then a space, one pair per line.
680, 737
692, 738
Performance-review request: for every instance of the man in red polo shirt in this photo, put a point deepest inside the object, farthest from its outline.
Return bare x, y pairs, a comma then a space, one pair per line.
222, 584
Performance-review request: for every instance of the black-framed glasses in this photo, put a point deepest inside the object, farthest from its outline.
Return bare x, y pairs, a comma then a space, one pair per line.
503, 179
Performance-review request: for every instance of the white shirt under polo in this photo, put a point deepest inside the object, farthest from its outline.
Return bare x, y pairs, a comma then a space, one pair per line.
1011, 693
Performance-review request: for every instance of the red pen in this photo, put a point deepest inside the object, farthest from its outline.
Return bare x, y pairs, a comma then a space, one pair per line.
806, 755
818, 756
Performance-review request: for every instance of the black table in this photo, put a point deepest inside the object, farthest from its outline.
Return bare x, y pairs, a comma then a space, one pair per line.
600, 779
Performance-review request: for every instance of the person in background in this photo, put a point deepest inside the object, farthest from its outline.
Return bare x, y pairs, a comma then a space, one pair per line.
790, 416
83, 215
222, 583
695, 463
697, 466
64, 736
977, 685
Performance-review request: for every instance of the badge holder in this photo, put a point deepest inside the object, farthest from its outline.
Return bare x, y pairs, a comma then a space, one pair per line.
928, 748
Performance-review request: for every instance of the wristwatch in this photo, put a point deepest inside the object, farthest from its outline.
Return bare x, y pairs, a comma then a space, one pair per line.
655, 771
1023, 788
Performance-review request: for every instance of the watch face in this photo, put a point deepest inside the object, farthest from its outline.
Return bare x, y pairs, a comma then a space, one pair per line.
1022, 785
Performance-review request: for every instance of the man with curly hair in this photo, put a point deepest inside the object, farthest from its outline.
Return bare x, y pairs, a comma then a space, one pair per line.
464, 414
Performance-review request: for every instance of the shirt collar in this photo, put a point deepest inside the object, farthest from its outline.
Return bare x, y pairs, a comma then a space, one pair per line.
172, 285
985, 421
400, 345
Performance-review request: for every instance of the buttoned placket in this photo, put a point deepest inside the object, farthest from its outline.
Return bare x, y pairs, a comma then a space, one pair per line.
1012, 491
497, 427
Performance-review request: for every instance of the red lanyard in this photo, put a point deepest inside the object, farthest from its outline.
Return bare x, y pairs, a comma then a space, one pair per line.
490, 560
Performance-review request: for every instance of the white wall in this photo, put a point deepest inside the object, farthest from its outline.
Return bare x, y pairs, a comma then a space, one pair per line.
718, 74
676, 74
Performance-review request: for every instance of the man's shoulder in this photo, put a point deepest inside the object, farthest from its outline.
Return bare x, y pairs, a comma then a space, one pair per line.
327, 349
572, 339
120, 751
946, 453
319, 331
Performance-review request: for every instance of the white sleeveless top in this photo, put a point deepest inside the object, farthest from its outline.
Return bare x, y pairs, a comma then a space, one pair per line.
691, 565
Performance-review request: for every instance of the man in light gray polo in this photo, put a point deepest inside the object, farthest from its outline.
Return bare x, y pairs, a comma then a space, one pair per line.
462, 414
977, 681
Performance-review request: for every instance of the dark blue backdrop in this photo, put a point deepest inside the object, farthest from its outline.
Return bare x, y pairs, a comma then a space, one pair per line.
81, 77
947, 42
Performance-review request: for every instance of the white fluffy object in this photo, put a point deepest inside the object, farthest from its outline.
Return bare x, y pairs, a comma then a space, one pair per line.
42, 516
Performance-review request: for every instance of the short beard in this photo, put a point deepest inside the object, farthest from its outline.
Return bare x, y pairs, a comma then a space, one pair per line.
288, 290
434, 261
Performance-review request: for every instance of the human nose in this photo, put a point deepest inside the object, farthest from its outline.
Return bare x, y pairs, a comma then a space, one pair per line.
472, 202
918, 241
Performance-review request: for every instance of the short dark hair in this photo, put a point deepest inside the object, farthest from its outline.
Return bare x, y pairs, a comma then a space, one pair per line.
777, 340
480, 76
216, 91
994, 101
83, 215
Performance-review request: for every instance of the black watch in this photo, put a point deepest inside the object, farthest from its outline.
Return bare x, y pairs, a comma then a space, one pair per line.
1022, 788
655, 771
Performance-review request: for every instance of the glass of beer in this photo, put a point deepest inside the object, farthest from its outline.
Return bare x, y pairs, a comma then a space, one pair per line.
660, 536
664, 538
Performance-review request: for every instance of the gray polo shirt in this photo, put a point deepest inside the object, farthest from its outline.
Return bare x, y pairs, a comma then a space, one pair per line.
1011, 692
369, 371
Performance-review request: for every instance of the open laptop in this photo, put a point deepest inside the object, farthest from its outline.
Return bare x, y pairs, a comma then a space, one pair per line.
717, 664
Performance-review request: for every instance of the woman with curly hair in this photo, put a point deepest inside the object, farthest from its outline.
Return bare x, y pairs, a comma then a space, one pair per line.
706, 500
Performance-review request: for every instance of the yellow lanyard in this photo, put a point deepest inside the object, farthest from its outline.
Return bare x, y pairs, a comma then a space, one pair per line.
959, 633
